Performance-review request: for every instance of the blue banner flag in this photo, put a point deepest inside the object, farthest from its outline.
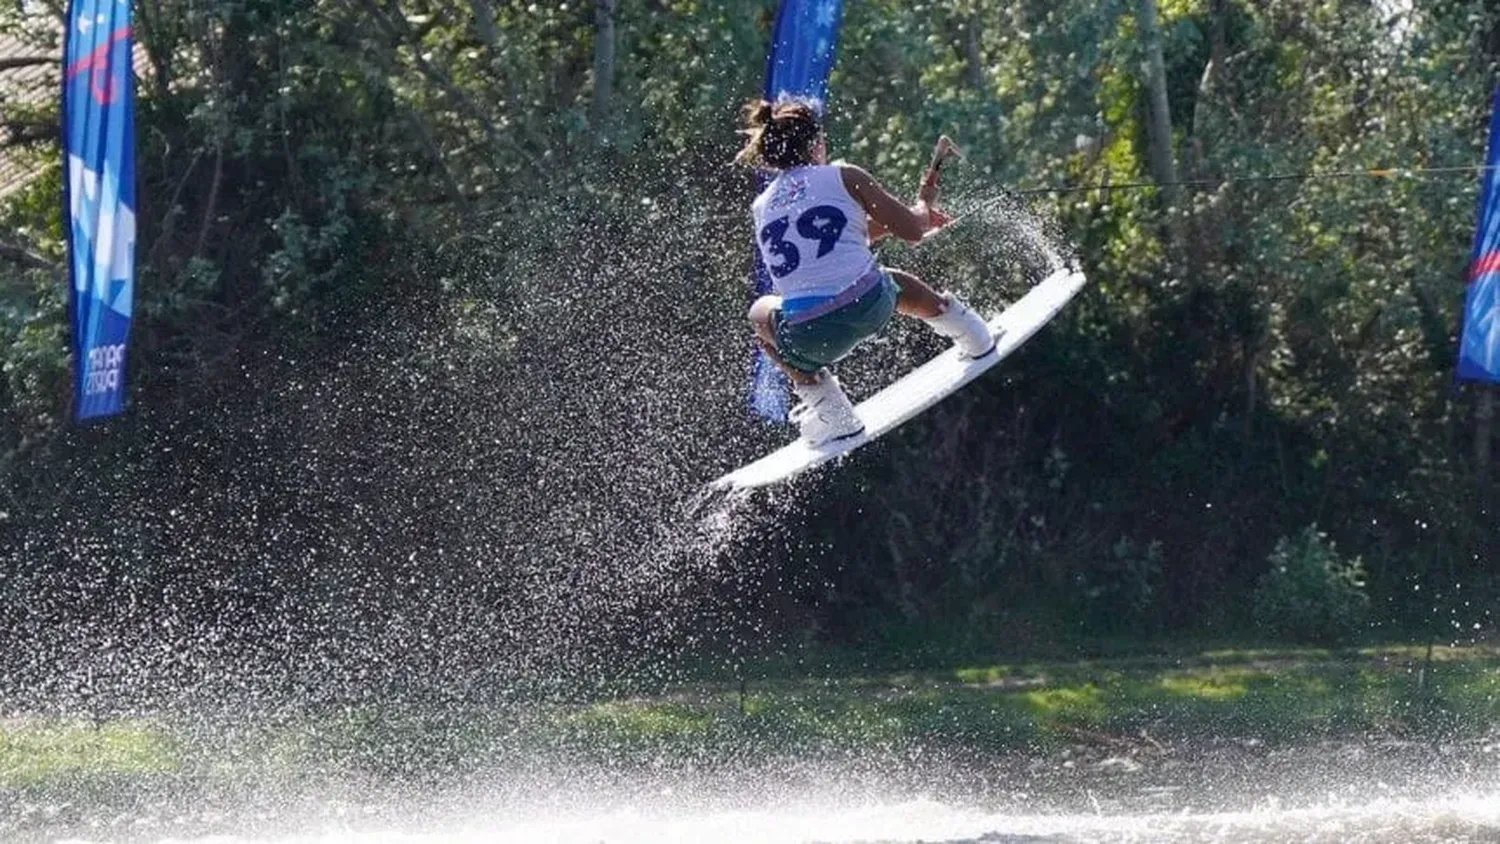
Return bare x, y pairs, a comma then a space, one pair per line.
803, 46
99, 195
1479, 343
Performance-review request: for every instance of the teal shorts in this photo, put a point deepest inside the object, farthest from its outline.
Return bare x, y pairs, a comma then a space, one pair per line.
824, 340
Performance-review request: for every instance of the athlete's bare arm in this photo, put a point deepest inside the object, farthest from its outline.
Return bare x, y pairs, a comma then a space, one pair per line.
887, 213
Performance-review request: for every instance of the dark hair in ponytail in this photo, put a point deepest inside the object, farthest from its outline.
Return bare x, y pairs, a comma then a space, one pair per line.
780, 136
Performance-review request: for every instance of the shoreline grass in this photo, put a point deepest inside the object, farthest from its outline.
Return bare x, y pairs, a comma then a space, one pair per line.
1270, 695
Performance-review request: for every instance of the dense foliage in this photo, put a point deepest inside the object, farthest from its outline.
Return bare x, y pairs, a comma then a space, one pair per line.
1311, 593
1251, 358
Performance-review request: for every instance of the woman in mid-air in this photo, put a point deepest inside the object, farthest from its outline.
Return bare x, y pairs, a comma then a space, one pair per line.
814, 224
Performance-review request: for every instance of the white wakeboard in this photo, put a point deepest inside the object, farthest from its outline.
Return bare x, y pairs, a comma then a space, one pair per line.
919, 390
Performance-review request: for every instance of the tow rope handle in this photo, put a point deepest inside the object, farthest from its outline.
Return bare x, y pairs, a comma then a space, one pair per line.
945, 150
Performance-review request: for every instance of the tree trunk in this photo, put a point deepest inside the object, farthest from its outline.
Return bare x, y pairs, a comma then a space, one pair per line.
604, 59
159, 47
18, 62
973, 53
19, 254
484, 24
1208, 86
1484, 422
1202, 242
1159, 115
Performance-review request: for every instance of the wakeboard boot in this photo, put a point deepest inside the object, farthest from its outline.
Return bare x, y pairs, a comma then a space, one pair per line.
967, 329
825, 413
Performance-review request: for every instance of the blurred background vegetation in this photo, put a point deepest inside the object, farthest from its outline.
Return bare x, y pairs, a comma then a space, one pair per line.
1246, 426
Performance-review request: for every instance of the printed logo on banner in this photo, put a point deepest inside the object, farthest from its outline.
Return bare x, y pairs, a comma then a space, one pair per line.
1479, 343
99, 134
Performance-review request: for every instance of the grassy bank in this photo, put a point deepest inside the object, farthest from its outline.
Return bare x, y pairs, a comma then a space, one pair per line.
1114, 702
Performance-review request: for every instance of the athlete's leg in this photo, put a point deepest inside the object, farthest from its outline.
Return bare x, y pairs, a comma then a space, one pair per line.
825, 412
761, 315
916, 299
762, 319
947, 315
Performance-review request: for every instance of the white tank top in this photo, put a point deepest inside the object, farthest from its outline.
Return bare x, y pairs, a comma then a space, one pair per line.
811, 233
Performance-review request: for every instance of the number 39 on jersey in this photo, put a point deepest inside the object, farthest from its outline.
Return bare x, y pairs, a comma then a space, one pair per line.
820, 224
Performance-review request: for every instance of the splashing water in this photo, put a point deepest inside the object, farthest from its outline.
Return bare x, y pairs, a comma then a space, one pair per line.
483, 509
923, 820
495, 499
1319, 793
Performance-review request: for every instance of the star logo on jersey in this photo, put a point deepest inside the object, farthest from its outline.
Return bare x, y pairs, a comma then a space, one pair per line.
791, 190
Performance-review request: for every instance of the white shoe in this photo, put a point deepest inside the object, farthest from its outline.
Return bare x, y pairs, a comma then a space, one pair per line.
966, 329
825, 413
